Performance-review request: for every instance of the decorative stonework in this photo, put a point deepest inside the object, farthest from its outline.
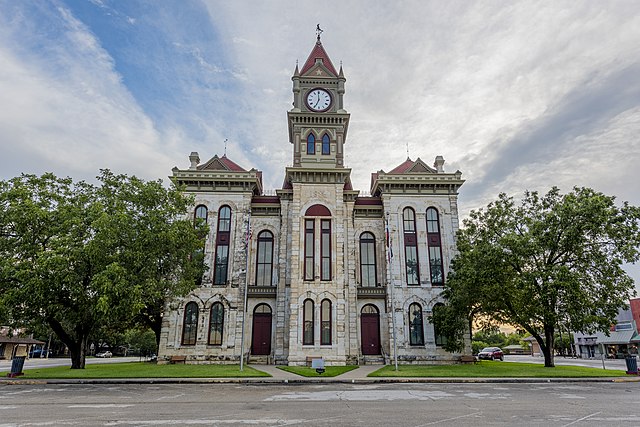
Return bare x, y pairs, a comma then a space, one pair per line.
315, 179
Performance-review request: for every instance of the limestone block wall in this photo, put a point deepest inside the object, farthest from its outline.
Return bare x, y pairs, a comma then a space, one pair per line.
400, 295
335, 290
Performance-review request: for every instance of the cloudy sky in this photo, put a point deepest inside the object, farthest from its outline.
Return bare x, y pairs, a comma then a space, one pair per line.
516, 95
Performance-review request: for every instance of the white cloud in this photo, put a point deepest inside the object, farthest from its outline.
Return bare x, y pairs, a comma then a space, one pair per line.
63, 108
518, 95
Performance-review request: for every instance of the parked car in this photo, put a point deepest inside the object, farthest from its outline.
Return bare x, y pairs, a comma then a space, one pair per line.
104, 354
37, 352
491, 353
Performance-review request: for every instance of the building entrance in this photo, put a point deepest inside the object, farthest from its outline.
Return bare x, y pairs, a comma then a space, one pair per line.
370, 330
261, 331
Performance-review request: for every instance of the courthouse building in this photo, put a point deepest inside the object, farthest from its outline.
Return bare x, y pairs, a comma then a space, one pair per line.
316, 270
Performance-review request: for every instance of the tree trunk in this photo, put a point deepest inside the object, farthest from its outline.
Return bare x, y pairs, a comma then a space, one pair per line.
548, 350
78, 356
77, 347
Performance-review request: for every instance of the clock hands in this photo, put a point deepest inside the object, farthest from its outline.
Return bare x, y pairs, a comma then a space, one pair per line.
318, 100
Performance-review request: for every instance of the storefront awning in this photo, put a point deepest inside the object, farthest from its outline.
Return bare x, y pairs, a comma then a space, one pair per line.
617, 337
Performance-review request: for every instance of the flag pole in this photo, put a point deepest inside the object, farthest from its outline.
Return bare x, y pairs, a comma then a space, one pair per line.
246, 283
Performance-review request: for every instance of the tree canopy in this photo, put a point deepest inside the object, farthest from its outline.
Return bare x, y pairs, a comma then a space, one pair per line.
80, 257
549, 261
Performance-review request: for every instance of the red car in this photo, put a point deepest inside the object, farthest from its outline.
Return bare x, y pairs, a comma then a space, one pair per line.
491, 353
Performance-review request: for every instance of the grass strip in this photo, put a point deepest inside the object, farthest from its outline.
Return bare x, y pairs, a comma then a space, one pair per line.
142, 370
495, 369
330, 371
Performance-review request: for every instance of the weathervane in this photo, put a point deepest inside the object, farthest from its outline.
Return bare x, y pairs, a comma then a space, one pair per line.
318, 31
225, 147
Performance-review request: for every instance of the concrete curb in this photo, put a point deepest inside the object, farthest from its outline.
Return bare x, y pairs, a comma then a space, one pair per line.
306, 380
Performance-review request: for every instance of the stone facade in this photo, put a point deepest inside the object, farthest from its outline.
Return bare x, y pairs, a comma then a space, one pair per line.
316, 270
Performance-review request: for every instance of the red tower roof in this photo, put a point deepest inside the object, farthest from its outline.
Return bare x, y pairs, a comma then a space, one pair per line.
318, 52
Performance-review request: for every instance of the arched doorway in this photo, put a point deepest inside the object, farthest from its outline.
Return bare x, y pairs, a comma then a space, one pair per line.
370, 330
261, 332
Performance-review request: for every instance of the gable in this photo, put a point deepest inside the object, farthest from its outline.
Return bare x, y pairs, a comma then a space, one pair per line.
221, 164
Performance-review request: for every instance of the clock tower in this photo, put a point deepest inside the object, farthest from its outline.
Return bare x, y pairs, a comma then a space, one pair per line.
318, 122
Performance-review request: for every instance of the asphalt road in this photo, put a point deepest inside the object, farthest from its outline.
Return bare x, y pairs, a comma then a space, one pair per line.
569, 404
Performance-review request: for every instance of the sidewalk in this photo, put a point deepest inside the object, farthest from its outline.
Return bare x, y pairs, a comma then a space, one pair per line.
278, 376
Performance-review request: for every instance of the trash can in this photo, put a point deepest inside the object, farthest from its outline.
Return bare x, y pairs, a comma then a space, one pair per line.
632, 365
16, 366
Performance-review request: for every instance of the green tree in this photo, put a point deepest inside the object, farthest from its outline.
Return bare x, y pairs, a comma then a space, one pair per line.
141, 340
82, 258
551, 260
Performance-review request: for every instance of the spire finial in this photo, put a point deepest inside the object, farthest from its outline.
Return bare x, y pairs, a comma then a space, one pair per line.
225, 147
318, 32
408, 150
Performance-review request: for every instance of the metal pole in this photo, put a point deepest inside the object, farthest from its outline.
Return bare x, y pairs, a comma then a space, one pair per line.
49, 345
246, 283
393, 314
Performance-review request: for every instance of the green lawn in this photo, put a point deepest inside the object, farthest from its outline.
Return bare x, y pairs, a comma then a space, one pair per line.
494, 369
330, 371
142, 370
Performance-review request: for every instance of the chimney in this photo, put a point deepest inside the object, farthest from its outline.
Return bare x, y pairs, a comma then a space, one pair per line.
439, 164
194, 158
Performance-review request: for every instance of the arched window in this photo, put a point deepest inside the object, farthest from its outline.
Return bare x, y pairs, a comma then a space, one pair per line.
325, 249
201, 213
309, 249
367, 259
440, 338
262, 309
222, 246
312, 228
416, 333
216, 324
190, 324
369, 309
311, 144
307, 322
435, 247
410, 247
264, 261
325, 322
326, 149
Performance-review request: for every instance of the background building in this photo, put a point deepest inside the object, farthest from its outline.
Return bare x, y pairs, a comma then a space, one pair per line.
323, 271
621, 340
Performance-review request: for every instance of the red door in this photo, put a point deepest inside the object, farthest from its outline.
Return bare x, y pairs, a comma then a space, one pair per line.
370, 330
261, 337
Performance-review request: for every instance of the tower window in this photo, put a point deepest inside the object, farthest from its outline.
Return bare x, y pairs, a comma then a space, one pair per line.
325, 249
367, 259
317, 244
264, 262
311, 144
326, 148
309, 246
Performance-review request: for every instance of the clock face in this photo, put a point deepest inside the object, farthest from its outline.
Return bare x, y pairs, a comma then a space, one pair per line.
318, 100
